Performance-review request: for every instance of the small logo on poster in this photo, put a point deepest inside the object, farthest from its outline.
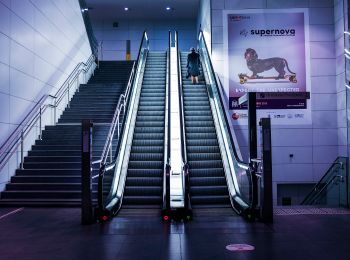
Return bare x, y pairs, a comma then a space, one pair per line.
244, 32
279, 116
299, 115
234, 103
237, 18
235, 116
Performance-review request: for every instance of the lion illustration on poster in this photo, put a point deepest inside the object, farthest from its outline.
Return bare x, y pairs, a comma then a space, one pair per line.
261, 65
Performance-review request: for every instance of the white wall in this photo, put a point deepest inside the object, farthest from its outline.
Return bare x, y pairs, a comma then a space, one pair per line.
314, 146
339, 22
41, 41
114, 39
204, 20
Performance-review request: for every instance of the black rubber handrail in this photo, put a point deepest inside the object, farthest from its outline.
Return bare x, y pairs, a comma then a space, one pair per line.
183, 130
166, 172
101, 203
238, 201
221, 100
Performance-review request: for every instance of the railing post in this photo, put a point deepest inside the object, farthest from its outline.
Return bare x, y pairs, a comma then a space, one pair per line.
111, 152
22, 149
54, 111
118, 127
68, 95
40, 114
87, 213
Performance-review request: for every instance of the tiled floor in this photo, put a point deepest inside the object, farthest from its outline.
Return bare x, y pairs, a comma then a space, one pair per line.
34, 233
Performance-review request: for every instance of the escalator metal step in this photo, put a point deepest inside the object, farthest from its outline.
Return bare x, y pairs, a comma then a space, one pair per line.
144, 183
207, 177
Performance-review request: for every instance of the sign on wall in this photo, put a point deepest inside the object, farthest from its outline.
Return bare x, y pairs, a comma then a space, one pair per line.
267, 51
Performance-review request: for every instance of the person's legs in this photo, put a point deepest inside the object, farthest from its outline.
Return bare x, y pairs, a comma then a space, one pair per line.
196, 79
193, 79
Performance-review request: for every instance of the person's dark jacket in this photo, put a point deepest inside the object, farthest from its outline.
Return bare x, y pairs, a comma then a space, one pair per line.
193, 64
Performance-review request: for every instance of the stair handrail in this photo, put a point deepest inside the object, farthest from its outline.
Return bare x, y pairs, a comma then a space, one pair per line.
121, 105
319, 186
328, 183
18, 135
104, 166
115, 124
246, 207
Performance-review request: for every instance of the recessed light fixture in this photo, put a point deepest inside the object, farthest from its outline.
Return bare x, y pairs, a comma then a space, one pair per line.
126, 8
168, 8
85, 10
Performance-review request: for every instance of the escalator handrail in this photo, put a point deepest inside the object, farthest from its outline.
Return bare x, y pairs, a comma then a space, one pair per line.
222, 102
181, 103
235, 143
185, 175
126, 97
166, 159
241, 164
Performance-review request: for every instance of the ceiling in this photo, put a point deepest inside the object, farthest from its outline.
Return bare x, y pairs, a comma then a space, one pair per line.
143, 9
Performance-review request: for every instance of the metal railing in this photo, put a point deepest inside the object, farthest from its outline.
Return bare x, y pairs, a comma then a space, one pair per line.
116, 122
110, 206
34, 119
335, 175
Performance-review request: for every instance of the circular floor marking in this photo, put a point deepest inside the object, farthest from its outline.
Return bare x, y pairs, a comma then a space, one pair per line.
240, 247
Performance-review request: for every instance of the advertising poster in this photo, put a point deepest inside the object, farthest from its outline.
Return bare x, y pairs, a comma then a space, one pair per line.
267, 51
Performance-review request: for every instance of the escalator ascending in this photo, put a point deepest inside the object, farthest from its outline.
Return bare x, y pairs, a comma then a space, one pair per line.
208, 187
144, 183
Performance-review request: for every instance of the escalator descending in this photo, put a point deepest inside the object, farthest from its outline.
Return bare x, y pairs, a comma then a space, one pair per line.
144, 183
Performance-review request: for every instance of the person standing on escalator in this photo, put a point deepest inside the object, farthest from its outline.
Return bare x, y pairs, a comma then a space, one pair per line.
193, 64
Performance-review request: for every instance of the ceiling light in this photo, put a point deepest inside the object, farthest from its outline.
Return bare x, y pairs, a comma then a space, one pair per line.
168, 8
126, 8
84, 10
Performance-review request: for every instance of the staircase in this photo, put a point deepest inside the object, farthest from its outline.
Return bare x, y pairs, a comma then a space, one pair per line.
208, 186
144, 183
52, 169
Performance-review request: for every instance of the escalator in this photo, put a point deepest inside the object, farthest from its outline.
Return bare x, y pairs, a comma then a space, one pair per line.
214, 178
144, 183
134, 180
219, 180
207, 177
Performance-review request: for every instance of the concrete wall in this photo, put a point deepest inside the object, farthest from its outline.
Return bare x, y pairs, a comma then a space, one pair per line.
314, 146
41, 41
114, 39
